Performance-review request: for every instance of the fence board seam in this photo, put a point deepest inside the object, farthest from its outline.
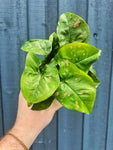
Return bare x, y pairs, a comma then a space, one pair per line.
27, 12
82, 144
2, 111
57, 10
107, 123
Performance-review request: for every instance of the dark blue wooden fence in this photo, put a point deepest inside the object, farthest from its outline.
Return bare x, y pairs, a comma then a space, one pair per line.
21, 20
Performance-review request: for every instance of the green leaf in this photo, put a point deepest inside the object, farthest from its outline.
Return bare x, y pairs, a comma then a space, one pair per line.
80, 54
38, 46
72, 28
38, 85
92, 74
55, 47
76, 90
43, 105
66, 72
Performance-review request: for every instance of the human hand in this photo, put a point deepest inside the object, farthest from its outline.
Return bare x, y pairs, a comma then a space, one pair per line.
25, 112
30, 123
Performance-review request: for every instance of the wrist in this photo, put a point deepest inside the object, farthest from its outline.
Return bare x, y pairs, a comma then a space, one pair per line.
26, 137
27, 129
9, 142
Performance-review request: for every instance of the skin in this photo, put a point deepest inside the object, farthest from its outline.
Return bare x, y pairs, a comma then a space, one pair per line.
26, 120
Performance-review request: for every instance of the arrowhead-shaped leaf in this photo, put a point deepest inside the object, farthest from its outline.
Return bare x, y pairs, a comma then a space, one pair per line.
37, 85
76, 90
80, 54
38, 46
72, 28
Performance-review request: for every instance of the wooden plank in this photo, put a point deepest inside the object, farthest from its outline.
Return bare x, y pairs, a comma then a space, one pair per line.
78, 7
70, 122
36, 15
13, 34
109, 142
51, 17
42, 22
101, 26
47, 138
69, 130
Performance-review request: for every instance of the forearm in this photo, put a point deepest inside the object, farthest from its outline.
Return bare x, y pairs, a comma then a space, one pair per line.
26, 130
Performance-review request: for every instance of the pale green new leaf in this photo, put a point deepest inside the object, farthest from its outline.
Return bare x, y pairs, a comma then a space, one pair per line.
77, 90
38, 85
72, 28
38, 46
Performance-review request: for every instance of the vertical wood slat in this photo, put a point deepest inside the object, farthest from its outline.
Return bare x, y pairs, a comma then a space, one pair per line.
78, 7
13, 33
47, 138
36, 19
51, 17
109, 142
69, 130
42, 22
70, 122
101, 27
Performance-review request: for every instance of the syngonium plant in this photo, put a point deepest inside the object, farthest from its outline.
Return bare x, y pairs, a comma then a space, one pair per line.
66, 72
